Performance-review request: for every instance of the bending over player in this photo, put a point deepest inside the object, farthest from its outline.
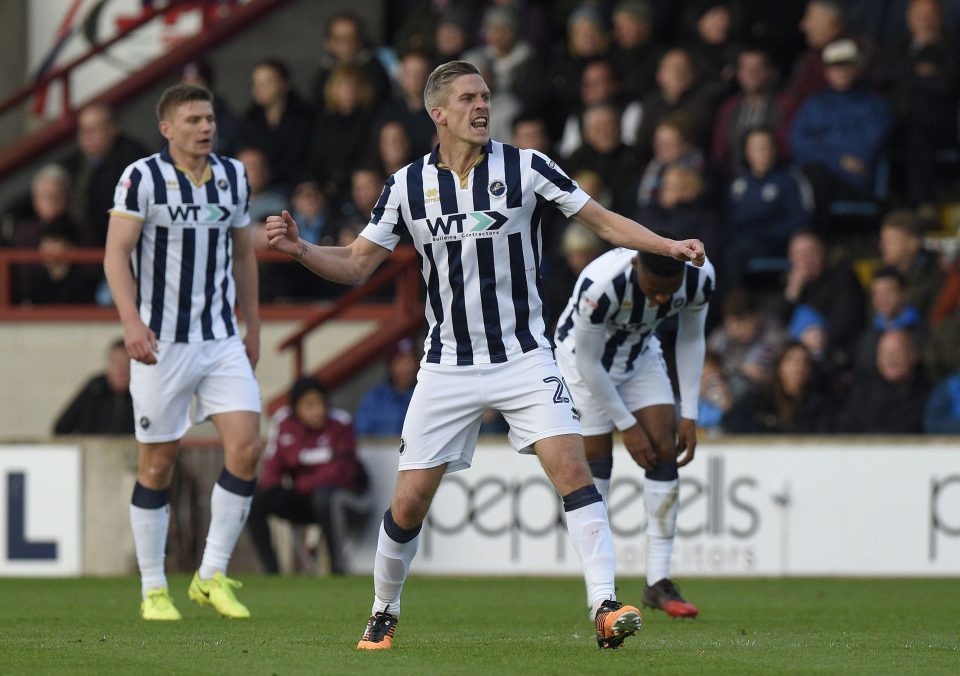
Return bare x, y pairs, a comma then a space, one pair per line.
611, 359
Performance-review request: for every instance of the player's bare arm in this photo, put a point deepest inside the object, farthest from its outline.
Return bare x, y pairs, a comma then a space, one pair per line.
122, 235
342, 264
686, 441
245, 275
627, 233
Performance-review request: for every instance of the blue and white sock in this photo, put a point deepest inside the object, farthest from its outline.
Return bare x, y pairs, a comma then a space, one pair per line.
661, 497
590, 535
229, 508
396, 548
150, 521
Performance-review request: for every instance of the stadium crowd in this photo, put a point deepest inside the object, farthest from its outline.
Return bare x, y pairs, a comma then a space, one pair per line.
814, 164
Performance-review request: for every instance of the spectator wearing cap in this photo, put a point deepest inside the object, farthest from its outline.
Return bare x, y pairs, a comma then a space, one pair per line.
635, 51
383, 407
838, 135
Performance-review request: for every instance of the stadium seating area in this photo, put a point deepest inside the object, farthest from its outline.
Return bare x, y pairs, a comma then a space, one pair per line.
813, 149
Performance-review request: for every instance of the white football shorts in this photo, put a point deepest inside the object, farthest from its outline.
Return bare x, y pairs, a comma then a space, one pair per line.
216, 372
647, 384
443, 420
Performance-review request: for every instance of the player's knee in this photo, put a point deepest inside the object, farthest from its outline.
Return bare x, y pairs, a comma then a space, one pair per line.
243, 458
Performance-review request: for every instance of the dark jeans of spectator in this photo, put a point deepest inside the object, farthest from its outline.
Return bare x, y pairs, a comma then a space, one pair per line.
296, 508
827, 189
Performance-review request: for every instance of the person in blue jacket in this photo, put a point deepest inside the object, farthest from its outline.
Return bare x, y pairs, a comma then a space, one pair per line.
838, 135
384, 406
942, 413
766, 203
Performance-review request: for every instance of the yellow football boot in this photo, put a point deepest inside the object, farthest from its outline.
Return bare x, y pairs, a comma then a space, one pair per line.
157, 605
218, 593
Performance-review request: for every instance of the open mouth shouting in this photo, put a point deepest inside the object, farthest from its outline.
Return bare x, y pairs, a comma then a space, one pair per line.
480, 123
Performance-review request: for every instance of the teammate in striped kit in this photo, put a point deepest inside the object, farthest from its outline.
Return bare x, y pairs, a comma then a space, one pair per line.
473, 210
610, 356
178, 256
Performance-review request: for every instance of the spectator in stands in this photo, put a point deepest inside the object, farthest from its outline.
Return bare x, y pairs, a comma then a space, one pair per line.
832, 290
311, 446
280, 280
677, 90
514, 64
756, 105
578, 247
103, 405
55, 281
346, 46
383, 407
635, 51
766, 203
103, 152
50, 200
942, 412
823, 22
200, 73
366, 184
794, 402
347, 115
891, 400
892, 310
278, 122
941, 356
838, 135
598, 85
682, 207
604, 152
530, 131
749, 341
919, 75
393, 149
809, 328
672, 144
450, 38
264, 198
901, 247
587, 40
406, 106
716, 399
712, 43
948, 298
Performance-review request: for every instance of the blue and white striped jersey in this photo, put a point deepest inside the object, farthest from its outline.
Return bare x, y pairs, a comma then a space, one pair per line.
607, 294
183, 261
479, 244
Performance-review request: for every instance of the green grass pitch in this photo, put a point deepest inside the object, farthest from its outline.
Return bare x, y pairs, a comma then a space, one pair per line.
485, 626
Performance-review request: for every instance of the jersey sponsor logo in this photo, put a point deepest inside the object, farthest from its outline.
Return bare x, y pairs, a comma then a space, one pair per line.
172, 185
461, 226
431, 196
497, 188
197, 213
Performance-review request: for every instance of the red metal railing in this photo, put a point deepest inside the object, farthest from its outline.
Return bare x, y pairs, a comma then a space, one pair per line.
47, 137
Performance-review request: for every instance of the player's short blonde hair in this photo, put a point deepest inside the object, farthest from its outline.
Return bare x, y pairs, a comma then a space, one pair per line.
435, 92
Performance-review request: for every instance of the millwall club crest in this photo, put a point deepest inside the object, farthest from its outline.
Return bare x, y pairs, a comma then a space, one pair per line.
403, 445
497, 188
222, 184
145, 422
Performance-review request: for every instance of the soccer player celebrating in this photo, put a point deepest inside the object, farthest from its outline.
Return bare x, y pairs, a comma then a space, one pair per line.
472, 208
612, 362
178, 256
